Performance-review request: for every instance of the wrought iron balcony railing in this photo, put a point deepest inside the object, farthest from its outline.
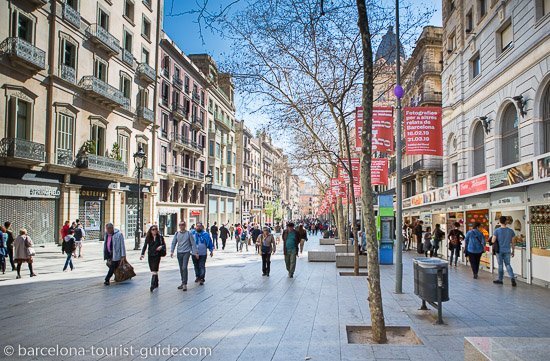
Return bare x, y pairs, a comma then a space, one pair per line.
189, 173
23, 52
22, 149
103, 91
145, 114
177, 81
67, 73
71, 15
102, 164
103, 38
178, 111
196, 97
65, 157
127, 57
147, 173
146, 73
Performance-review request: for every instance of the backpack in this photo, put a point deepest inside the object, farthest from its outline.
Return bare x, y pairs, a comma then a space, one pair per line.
78, 233
455, 239
243, 236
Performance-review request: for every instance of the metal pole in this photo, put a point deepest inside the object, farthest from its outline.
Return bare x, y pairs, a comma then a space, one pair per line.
241, 209
207, 204
138, 221
399, 181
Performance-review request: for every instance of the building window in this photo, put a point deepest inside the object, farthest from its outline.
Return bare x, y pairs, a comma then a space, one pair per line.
72, 3
504, 37
165, 93
123, 146
100, 70
202, 98
546, 119
211, 149
163, 158
146, 28
143, 98
186, 84
475, 66
103, 19
478, 149
229, 162
69, 54
24, 27
97, 136
218, 151
454, 172
20, 120
510, 135
145, 56
127, 41
481, 9
143, 145
228, 179
451, 43
126, 86
129, 10
469, 22
177, 73
164, 125
65, 132
166, 66
542, 8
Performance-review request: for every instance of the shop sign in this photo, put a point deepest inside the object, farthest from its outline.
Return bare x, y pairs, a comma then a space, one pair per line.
198, 213
508, 200
93, 193
513, 175
417, 200
474, 185
29, 191
407, 203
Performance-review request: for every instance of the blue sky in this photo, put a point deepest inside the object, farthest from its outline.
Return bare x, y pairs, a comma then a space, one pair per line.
185, 31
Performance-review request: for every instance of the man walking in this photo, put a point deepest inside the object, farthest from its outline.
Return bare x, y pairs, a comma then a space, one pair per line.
256, 232
504, 236
214, 233
418, 236
290, 247
224, 234
9, 244
186, 246
79, 235
114, 250
203, 243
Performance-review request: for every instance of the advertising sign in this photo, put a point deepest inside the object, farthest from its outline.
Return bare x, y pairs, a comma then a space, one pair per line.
423, 131
355, 167
382, 129
543, 166
379, 171
510, 176
473, 185
92, 215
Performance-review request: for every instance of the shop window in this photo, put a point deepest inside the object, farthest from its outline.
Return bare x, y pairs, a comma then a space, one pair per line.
478, 149
510, 136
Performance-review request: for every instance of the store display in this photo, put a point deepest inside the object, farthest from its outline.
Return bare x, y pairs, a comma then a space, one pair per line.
540, 226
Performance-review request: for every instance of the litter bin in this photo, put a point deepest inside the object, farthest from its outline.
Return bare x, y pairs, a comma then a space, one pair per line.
426, 282
385, 252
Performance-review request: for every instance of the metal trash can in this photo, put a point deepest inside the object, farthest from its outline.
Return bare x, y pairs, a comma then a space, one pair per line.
427, 281
385, 252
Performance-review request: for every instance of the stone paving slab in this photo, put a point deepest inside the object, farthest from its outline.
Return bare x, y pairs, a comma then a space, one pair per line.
241, 315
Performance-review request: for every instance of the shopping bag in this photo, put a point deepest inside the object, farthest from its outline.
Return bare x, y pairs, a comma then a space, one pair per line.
124, 271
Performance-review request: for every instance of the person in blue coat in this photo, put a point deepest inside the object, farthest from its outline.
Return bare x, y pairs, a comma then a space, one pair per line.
475, 246
204, 244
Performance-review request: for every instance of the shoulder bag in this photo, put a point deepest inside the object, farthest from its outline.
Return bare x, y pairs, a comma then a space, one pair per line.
30, 249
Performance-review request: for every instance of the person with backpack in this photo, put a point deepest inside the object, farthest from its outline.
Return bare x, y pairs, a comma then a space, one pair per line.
267, 245
427, 241
186, 247
437, 238
204, 244
68, 247
291, 243
79, 235
157, 249
237, 233
475, 246
503, 237
455, 242
224, 234
244, 240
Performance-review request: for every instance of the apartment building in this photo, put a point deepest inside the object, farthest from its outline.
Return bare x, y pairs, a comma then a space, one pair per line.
222, 146
245, 176
496, 127
181, 138
79, 84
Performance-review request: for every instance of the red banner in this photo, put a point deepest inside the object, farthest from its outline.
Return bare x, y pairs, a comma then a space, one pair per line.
474, 185
423, 131
379, 171
355, 168
382, 129
358, 127
336, 188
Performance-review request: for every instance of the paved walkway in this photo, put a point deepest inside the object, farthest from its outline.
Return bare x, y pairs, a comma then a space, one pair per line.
241, 315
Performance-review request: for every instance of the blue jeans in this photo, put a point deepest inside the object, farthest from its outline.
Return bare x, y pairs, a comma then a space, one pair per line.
215, 239
69, 261
504, 258
200, 266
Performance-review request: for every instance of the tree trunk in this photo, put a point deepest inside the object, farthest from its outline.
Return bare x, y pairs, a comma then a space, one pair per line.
375, 293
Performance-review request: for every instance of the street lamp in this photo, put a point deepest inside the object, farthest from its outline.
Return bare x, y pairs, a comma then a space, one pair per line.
241, 193
209, 178
261, 207
139, 161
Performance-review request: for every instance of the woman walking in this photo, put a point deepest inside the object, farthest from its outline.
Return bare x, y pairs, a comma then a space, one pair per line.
24, 251
157, 249
475, 246
3, 248
267, 245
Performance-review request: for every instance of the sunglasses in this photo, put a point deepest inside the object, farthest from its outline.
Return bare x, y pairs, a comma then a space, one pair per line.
154, 229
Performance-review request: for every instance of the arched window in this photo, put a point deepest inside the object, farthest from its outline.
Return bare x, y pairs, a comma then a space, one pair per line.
510, 136
546, 119
478, 149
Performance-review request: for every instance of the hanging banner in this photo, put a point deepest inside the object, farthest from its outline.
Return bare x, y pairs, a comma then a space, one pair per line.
379, 171
423, 131
336, 188
358, 127
355, 168
382, 129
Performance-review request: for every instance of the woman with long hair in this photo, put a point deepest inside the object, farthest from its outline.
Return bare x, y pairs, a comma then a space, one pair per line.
24, 252
157, 249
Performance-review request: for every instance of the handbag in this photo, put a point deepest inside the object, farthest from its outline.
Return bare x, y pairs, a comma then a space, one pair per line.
124, 271
30, 249
496, 247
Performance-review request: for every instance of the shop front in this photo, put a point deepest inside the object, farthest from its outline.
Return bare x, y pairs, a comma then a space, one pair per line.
168, 220
440, 217
91, 211
539, 233
33, 206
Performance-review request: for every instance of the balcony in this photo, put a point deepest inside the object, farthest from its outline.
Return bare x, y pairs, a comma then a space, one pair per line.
67, 73
22, 149
177, 82
427, 68
128, 106
187, 173
146, 73
38, 2
101, 91
101, 164
176, 140
424, 164
196, 97
65, 157
71, 15
430, 97
178, 111
145, 115
103, 39
127, 57
146, 174
23, 53
197, 124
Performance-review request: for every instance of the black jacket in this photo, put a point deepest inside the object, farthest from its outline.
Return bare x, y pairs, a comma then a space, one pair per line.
224, 232
153, 244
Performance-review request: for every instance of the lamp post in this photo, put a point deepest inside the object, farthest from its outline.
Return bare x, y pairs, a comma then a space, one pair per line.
209, 178
139, 161
261, 207
241, 193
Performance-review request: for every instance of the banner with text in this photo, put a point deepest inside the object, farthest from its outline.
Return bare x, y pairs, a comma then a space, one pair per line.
382, 129
423, 131
358, 127
379, 171
343, 173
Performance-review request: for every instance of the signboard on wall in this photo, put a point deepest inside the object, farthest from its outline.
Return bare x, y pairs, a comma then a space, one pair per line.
423, 131
473, 185
92, 215
513, 175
